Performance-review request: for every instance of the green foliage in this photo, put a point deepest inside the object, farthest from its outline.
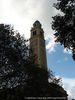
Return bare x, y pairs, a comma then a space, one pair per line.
64, 24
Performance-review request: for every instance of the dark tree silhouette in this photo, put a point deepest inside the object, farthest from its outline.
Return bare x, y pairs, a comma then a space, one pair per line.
15, 57
64, 24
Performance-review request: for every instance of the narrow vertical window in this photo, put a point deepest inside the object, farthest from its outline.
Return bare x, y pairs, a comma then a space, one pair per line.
34, 33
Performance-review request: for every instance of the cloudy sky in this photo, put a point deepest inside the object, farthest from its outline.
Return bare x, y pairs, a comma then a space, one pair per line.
22, 14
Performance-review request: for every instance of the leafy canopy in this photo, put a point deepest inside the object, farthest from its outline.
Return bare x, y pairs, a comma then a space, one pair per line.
64, 24
14, 58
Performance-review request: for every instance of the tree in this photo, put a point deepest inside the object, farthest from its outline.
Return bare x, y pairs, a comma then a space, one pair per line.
64, 24
53, 79
15, 57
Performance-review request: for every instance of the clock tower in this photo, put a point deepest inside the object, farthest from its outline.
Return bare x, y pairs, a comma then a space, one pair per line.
37, 44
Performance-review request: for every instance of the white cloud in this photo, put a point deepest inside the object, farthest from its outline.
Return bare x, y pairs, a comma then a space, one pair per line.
69, 86
58, 61
67, 51
66, 59
51, 43
23, 13
62, 60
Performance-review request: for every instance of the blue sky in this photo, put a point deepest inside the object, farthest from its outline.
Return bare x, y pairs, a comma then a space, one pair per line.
63, 66
61, 63
22, 14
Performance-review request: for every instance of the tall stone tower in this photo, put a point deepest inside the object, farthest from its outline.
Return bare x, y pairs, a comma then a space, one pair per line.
37, 44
